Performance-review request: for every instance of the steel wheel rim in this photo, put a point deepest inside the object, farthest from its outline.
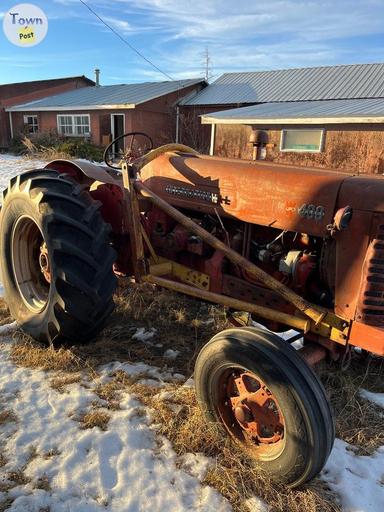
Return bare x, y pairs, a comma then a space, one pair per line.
30, 263
251, 413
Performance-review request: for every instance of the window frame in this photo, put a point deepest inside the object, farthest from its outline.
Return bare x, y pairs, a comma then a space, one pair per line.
33, 125
321, 143
72, 116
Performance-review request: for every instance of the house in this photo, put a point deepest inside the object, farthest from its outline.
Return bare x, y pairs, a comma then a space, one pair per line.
14, 94
102, 113
331, 116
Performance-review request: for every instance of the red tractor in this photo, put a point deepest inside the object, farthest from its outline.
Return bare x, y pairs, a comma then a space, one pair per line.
295, 248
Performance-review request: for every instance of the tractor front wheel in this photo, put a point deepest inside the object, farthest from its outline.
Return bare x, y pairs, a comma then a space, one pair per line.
255, 385
56, 259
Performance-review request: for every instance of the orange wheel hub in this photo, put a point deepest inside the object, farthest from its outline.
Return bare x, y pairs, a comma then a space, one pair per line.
250, 411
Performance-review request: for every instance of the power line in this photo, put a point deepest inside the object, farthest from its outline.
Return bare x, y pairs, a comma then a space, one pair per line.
125, 41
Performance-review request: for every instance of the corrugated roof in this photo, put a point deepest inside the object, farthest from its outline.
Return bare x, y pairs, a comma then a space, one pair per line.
302, 112
50, 80
302, 84
116, 96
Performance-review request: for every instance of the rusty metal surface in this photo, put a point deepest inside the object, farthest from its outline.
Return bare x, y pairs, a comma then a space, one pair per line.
294, 321
351, 247
367, 337
249, 404
308, 309
243, 290
364, 193
92, 171
291, 198
370, 307
313, 353
134, 225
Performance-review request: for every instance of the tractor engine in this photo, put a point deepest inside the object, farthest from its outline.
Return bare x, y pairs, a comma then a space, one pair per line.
295, 259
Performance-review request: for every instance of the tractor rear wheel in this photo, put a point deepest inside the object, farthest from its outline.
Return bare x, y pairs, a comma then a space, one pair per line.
255, 385
56, 259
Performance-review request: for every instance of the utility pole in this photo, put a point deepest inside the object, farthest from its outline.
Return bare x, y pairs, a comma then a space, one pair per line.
207, 64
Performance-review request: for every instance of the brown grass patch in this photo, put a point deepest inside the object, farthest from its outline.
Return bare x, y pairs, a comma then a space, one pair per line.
5, 317
3, 460
120, 380
7, 416
42, 483
31, 354
6, 504
60, 382
232, 474
186, 324
95, 418
180, 322
358, 421
14, 478
54, 452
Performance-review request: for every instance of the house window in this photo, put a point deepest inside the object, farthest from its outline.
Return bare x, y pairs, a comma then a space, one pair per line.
74, 125
31, 124
302, 140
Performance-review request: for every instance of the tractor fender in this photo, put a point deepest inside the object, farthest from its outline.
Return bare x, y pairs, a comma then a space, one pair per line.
105, 185
80, 168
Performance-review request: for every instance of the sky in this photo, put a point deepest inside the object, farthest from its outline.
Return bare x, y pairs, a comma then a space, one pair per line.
240, 35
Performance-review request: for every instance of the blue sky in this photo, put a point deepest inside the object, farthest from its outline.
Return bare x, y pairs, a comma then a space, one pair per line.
241, 35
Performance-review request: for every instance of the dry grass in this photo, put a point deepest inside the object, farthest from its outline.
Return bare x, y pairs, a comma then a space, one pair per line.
54, 452
43, 152
60, 382
5, 317
42, 483
138, 306
6, 504
3, 459
14, 479
185, 325
18, 477
95, 418
232, 474
358, 421
30, 354
7, 416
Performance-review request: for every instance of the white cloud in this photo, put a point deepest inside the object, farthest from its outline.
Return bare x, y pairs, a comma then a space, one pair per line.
241, 35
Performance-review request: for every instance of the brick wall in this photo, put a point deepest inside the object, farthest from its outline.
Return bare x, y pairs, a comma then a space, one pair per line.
16, 94
157, 118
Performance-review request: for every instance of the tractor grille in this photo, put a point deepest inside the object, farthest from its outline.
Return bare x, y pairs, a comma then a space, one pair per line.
372, 298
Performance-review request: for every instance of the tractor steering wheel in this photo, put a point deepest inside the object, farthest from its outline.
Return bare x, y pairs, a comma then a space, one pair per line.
130, 154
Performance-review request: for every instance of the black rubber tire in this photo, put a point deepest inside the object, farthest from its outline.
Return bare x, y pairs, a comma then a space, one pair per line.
309, 422
80, 296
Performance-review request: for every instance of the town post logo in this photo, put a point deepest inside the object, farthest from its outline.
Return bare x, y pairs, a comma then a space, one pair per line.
25, 25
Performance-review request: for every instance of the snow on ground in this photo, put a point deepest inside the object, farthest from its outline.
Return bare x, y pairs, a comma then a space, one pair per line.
126, 468
359, 480
11, 165
376, 398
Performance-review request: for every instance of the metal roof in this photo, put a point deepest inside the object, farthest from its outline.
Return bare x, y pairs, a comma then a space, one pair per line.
303, 112
302, 84
106, 96
50, 80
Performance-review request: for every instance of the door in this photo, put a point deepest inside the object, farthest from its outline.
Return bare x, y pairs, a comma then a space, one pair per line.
117, 129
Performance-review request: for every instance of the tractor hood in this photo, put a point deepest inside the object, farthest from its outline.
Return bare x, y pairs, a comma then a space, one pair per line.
284, 197
365, 193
